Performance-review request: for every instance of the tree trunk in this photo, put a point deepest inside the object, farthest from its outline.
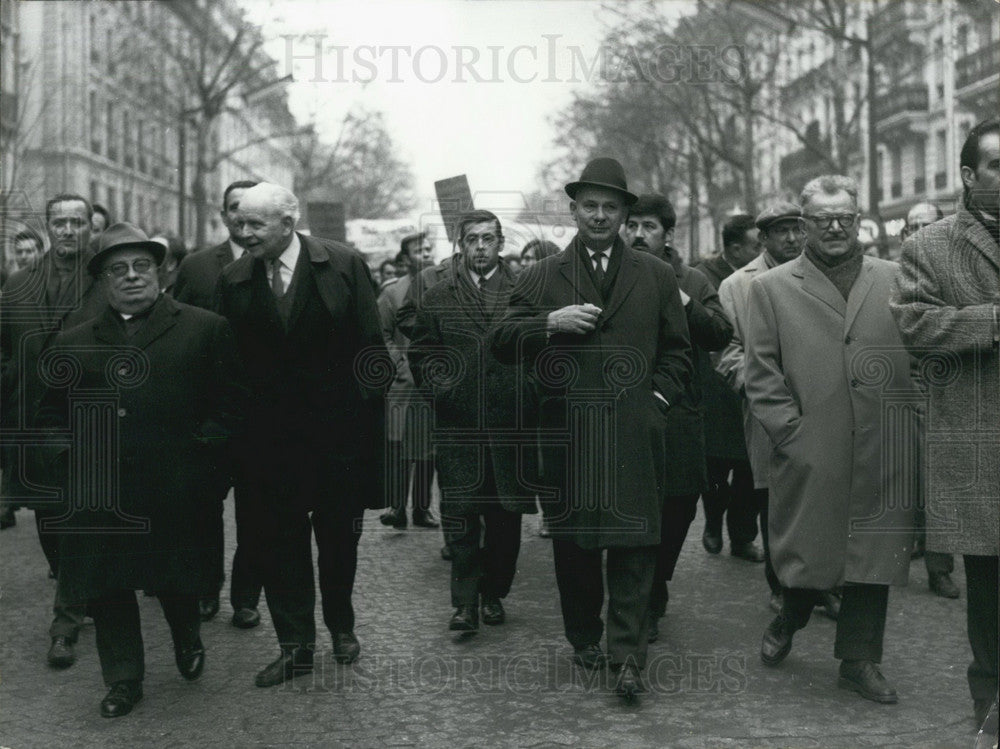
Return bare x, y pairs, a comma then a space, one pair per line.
749, 163
198, 190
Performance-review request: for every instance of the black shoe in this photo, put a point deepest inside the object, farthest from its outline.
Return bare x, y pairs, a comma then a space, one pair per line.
290, 663
246, 618
749, 551
865, 678
654, 629
493, 612
395, 518
830, 602
346, 648
777, 641
712, 541
446, 553
465, 619
7, 518
424, 519
61, 653
942, 585
628, 684
208, 608
590, 657
190, 659
121, 699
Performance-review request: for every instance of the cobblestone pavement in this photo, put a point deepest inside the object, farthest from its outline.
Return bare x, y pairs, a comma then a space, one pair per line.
418, 685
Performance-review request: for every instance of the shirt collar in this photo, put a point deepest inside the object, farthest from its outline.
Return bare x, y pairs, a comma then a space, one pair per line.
237, 251
606, 251
475, 276
290, 256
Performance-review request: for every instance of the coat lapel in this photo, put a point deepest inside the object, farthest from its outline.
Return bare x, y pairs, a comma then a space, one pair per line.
975, 234
628, 274
816, 284
571, 267
108, 328
859, 292
161, 319
322, 274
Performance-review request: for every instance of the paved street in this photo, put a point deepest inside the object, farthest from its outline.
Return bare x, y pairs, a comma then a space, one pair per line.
512, 686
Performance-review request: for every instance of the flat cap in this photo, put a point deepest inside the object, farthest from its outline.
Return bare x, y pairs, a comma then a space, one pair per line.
777, 212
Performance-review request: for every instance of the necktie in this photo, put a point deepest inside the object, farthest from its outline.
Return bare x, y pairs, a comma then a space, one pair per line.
277, 284
599, 269
482, 284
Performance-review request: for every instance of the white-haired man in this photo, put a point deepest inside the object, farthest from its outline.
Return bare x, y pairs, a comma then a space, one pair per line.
828, 379
303, 310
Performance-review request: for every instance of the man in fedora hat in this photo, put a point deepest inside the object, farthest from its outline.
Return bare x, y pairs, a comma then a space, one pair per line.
157, 378
52, 294
604, 329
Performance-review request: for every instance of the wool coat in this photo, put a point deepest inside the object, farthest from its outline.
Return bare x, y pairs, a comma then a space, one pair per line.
829, 380
944, 303
601, 423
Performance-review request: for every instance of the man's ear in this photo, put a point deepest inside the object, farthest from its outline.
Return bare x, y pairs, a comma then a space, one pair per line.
968, 177
668, 235
289, 223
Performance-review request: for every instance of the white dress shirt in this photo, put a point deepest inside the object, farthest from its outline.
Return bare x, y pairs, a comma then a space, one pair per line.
475, 276
287, 261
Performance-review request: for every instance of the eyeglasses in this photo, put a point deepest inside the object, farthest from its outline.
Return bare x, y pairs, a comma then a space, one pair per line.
121, 269
473, 240
844, 220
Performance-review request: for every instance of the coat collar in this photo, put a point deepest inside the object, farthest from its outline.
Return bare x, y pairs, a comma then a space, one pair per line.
572, 268
481, 307
975, 234
818, 285
108, 327
242, 269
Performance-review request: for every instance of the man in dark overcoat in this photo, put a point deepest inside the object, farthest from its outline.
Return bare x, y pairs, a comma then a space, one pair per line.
650, 228
50, 295
195, 284
148, 378
303, 311
484, 473
604, 328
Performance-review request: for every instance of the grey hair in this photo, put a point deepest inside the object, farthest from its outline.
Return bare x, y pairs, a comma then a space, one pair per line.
829, 184
273, 198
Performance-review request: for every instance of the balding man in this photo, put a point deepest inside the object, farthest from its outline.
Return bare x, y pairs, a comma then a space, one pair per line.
919, 216
303, 311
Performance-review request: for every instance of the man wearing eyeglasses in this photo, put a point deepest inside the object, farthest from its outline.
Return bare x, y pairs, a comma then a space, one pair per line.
163, 380
828, 379
50, 295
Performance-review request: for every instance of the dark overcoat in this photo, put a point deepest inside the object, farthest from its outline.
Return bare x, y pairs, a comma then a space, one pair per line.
198, 274
601, 425
480, 405
150, 416
28, 325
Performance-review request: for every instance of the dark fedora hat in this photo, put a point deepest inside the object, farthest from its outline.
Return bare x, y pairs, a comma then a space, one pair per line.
123, 236
606, 173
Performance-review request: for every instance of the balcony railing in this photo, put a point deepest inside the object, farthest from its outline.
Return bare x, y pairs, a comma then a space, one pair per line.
977, 66
912, 98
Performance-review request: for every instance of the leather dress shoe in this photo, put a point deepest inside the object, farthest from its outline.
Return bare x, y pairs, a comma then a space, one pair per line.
121, 699
190, 659
712, 541
446, 553
653, 633
208, 608
942, 585
395, 518
290, 663
246, 618
830, 602
777, 641
493, 612
424, 519
465, 619
346, 648
61, 653
590, 657
865, 678
749, 551
628, 684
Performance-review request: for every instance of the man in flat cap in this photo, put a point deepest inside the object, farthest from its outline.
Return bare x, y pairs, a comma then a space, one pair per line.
604, 328
163, 377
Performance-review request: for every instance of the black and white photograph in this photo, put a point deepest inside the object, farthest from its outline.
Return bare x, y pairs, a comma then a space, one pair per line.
499, 373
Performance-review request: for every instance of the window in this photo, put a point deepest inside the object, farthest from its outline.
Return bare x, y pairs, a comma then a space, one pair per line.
919, 168
127, 205
95, 55
142, 214
140, 145
95, 122
127, 150
109, 127
94, 197
109, 45
112, 202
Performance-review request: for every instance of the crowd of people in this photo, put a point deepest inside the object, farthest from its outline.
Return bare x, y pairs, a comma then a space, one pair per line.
841, 406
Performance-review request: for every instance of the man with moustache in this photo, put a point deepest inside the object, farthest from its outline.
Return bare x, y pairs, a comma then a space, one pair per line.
823, 356
136, 522
50, 295
482, 474
195, 283
306, 323
781, 230
650, 228
604, 329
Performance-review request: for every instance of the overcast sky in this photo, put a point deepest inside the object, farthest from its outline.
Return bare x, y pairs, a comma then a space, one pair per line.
481, 109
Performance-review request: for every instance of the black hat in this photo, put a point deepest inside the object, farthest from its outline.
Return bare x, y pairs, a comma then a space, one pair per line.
123, 236
606, 173
783, 210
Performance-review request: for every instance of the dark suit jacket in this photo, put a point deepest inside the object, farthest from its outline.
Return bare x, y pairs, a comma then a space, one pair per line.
153, 414
329, 407
602, 426
199, 273
716, 269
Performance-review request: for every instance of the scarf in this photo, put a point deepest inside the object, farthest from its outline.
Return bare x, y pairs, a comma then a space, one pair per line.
842, 271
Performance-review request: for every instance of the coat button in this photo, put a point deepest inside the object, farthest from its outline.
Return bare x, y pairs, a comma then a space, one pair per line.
122, 412
847, 339
854, 383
